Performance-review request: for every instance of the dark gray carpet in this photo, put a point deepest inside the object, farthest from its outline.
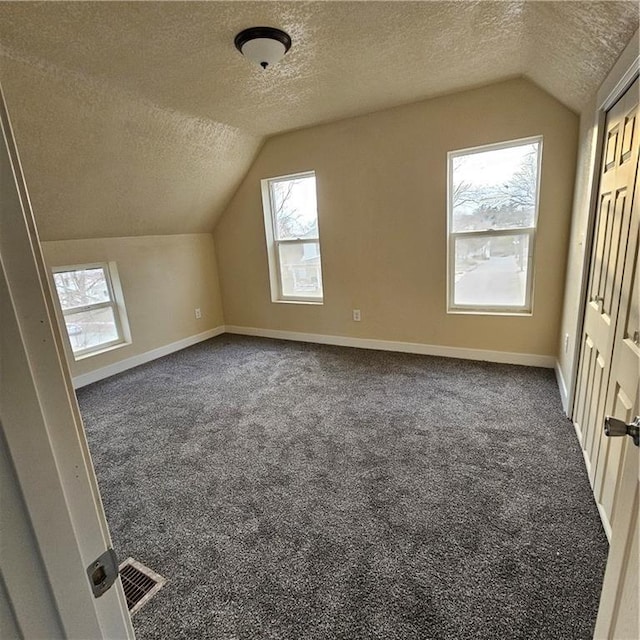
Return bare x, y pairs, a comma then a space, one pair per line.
291, 491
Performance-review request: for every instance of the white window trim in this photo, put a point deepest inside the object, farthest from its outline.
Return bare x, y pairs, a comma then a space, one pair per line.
273, 253
503, 310
116, 303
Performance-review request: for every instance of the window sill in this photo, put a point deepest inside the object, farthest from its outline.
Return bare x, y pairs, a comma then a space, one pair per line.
97, 352
488, 312
317, 303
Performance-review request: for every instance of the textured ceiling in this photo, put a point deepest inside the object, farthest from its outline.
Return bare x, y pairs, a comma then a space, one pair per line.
166, 75
347, 57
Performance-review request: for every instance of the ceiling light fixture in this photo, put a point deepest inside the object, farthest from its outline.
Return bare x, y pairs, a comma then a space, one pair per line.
264, 45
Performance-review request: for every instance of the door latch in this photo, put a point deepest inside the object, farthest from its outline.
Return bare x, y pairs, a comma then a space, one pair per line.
614, 427
103, 572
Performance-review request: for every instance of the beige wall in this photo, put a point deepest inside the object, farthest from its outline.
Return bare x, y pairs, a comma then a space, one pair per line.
163, 278
578, 239
381, 183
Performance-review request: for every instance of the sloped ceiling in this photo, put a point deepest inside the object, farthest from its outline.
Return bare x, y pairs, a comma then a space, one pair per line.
171, 72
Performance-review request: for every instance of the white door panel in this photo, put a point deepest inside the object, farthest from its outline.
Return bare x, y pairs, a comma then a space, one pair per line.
43, 430
615, 233
615, 461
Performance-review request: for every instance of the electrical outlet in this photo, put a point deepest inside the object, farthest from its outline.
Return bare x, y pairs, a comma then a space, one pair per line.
356, 315
566, 343
198, 313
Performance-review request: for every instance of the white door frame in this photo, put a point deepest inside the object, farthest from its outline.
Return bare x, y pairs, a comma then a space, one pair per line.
619, 79
43, 430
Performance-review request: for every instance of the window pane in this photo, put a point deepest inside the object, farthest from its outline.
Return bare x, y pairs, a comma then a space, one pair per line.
495, 189
491, 271
295, 208
92, 328
81, 287
300, 269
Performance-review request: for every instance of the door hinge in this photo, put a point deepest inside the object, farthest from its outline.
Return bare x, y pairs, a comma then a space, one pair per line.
103, 572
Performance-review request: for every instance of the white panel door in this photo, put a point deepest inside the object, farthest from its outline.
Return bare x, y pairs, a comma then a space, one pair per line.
609, 374
45, 440
620, 461
614, 235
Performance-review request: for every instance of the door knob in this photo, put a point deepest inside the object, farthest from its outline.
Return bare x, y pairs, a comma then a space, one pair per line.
614, 427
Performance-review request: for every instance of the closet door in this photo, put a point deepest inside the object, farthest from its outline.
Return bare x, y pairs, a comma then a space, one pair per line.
620, 463
610, 272
617, 475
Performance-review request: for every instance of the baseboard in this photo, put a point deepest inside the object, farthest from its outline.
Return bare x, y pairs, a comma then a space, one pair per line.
134, 361
505, 357
605, 521
587, 462
578, 434
562, 387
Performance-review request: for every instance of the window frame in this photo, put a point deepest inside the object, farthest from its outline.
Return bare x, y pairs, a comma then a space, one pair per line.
530, 231
114, 303
273, 243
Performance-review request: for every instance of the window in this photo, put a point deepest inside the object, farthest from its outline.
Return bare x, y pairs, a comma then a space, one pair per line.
91, 314
493, 210
291, 225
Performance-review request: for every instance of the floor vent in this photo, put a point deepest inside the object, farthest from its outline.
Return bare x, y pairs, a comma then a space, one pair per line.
140, 583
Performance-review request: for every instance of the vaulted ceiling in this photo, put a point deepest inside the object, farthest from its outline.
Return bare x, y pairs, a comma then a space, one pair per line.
170, 70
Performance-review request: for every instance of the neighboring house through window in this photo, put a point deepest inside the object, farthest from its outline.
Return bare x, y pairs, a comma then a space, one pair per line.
293, 241
492, 217
94, 319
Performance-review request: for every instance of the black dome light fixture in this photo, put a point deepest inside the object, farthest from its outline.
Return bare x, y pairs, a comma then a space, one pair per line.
264, 45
